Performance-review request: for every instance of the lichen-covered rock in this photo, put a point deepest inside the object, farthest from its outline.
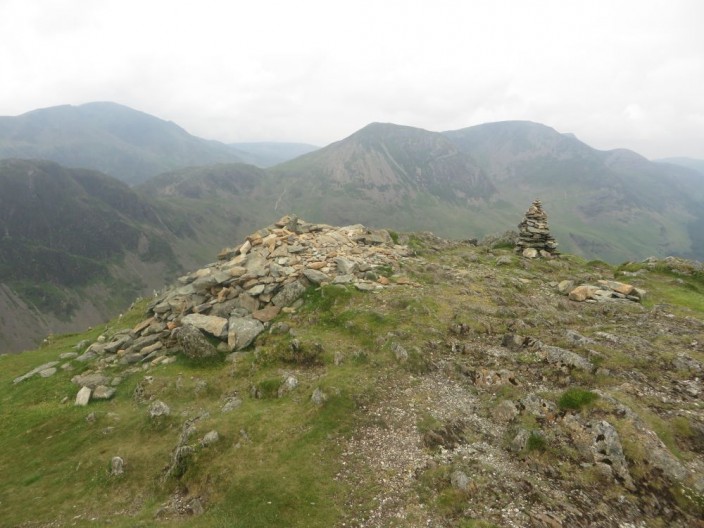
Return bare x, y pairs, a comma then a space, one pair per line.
242, 331
194, 344
158, 409
608, 453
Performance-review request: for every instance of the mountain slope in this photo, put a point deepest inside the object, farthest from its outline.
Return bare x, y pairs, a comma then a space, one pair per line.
114, 139
76, 246
612, 205
384, 174
449, 385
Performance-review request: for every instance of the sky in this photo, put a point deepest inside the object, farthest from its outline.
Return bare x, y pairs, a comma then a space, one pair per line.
617, 74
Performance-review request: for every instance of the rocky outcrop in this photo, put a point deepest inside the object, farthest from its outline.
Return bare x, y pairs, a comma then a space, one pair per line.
534, 238
603, 291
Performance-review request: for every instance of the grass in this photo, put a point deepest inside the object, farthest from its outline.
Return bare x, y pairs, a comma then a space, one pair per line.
575, 399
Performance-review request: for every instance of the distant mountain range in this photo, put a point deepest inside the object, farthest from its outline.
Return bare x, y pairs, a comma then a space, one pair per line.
77, 245
130, 145
690, 163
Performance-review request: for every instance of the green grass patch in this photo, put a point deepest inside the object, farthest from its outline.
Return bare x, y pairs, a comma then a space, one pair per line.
575, 399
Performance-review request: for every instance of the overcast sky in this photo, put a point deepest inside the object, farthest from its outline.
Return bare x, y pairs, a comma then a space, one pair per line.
616, 73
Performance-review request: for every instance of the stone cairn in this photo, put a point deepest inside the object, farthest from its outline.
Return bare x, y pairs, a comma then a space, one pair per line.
534, 238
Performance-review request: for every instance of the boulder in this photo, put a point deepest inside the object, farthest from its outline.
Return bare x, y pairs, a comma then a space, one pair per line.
242, 331
288, 294
213, 325
194, 344
582, 293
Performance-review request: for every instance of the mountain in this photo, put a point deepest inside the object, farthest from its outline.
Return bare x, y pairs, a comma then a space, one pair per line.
613, 205
108, 137
76, 246
690, 163
318, 376
384, 174
267, 154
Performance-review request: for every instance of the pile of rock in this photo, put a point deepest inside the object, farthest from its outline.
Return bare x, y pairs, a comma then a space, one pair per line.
534, 238
234, 299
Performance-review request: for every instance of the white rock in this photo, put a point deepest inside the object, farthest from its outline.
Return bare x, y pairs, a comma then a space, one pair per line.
83, 396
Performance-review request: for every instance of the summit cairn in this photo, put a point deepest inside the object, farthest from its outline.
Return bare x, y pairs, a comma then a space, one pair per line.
534, 238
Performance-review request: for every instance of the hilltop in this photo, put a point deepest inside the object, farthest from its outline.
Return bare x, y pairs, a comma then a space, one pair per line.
111, 138
343, 376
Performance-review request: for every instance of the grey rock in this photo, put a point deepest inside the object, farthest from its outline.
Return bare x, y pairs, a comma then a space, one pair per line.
213, 325
231, 404
90, 380
117, 466
87, 355
684, 362
504, 260
289, 293
102, 392
459, 480
530, 253
203, 284
520, 441
400, 353
505, 411
242, 331
565, 287
607, 450
83, 397
46, 373
559, 356
344, 279
367, 286
578, 338
318, 397
194, 343
315, 276
119, 343
537, 406
158, 409
289, 384
345, 266
68, 355
210, 438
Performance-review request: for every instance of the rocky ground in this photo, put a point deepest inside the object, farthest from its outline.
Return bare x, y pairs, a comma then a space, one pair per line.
493, 389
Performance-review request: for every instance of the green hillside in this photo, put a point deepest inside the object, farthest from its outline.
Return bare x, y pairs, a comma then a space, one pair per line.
76, 246
436, 384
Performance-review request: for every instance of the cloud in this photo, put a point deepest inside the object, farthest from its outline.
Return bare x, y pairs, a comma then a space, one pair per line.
618, 74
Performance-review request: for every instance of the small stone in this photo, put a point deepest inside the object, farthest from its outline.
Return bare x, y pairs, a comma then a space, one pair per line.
290, 383
117, 466
210, 438
565, 286
83, 396
318, 397
47, 372
102, 392
530, 253
459, 480
158, 409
